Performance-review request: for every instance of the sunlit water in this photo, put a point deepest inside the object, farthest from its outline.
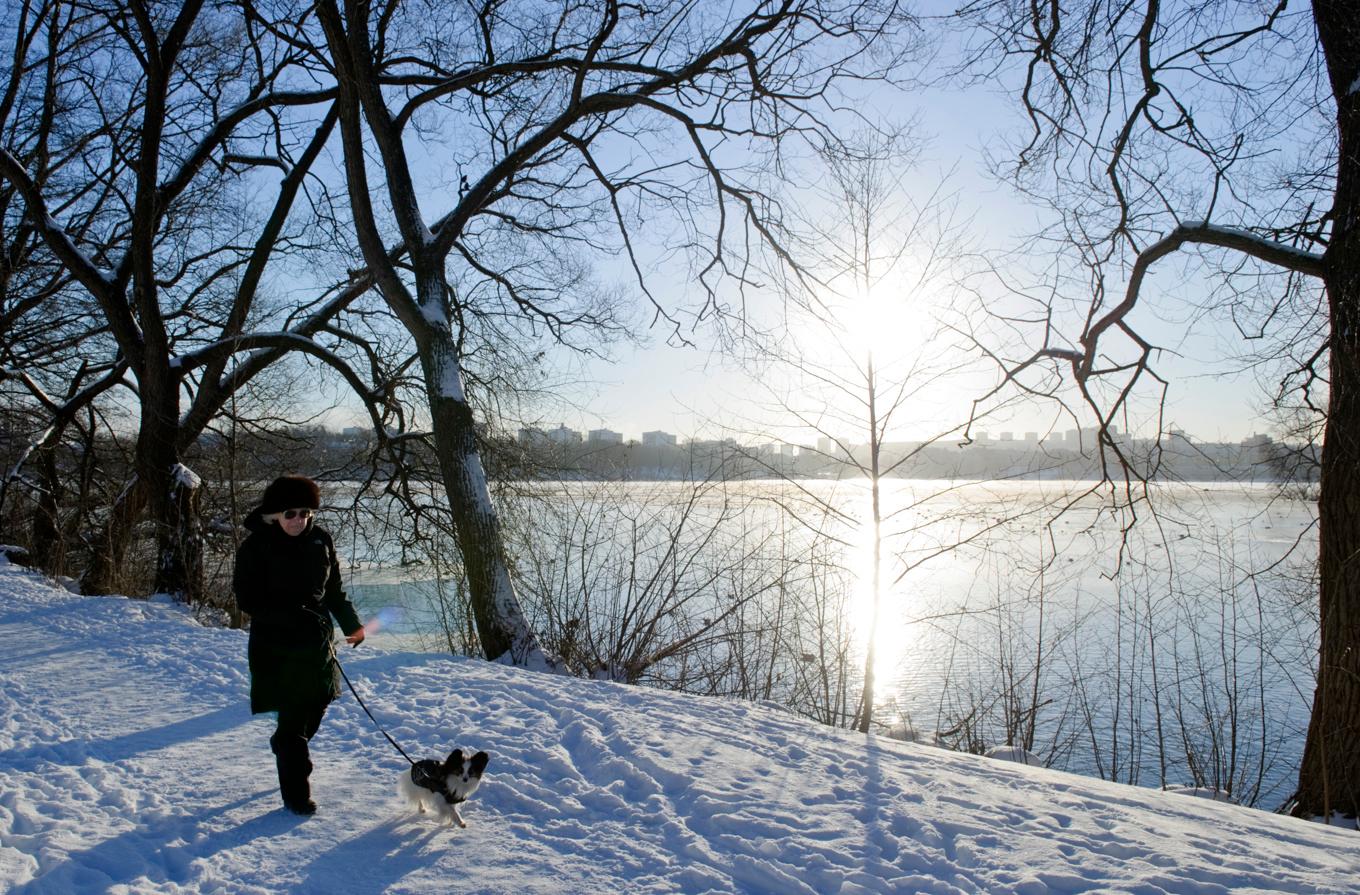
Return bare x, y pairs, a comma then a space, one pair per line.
1183, 643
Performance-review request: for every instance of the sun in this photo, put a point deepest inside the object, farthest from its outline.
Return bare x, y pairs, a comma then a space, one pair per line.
885, 321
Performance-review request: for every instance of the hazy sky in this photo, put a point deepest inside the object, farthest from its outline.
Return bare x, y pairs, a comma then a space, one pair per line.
693, 391
689, 390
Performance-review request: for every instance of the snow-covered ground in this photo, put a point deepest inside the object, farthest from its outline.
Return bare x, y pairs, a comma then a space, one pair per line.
130, 763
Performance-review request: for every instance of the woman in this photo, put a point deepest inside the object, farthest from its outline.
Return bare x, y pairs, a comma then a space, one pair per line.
287, 578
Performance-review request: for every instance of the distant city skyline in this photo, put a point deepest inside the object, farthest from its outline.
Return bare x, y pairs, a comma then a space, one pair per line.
1068, 438
567, 453
693, 395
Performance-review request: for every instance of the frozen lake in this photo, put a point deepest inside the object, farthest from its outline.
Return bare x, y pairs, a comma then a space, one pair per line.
1175, 650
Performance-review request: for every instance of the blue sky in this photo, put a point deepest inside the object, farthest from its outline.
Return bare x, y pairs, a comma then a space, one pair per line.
694, 390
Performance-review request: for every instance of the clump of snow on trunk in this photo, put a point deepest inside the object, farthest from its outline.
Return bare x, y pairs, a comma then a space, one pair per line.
448, 379
1015, 754
185, 477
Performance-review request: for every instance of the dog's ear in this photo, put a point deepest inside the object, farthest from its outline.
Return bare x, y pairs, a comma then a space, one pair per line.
454, 763
479, 762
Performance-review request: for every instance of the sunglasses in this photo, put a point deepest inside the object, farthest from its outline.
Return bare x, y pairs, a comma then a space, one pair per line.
293, 514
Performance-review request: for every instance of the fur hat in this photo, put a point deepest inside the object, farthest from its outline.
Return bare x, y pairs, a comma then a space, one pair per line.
290, 492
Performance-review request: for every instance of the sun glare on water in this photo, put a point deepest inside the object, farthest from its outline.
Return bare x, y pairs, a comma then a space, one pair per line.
891, 637
893, 327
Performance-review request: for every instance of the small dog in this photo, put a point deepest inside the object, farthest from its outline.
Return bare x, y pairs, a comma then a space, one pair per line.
443, 786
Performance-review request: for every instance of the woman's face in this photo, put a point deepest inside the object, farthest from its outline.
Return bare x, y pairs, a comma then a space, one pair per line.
295, 525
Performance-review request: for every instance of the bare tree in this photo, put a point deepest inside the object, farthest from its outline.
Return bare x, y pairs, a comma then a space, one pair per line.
1228, 130
868, 362
152, 121
567, 134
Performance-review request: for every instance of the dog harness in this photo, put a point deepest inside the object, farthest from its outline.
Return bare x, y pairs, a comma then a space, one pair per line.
429, 774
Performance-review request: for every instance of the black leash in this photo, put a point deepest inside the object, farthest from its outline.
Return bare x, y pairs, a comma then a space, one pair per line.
419, 772
326, 622
360, 700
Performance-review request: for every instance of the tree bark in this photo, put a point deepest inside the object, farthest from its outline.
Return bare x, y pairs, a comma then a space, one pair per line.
48, 552
170, 505
179, 570
106, 560
1329, 775
504, 632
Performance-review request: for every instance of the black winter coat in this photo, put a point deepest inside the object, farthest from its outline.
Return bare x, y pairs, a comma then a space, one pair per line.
290, 586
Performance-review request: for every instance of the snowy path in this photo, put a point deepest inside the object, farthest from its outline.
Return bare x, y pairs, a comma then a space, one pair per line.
129, 763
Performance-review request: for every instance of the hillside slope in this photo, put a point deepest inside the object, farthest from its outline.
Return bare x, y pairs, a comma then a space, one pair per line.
129, 763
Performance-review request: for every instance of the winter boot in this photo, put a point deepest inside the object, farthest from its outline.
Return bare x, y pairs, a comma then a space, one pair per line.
295, 767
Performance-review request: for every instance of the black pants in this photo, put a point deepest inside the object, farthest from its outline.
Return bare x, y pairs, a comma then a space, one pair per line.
303, 721
297, 725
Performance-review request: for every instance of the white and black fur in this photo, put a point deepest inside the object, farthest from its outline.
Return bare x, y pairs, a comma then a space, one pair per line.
442, 786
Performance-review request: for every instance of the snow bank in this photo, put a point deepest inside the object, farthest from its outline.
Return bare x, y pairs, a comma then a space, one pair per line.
129, 764
1015, 754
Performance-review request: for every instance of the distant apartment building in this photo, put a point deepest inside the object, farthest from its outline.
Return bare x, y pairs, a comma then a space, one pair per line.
1085, 437
603, 437
563, 435
710, 444
829, 448
658, 439
1008, 436
1032, 437
532, 435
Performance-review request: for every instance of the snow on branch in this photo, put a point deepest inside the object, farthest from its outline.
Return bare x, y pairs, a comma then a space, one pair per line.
1195, 233
288, 341
99, 281
61, 415
1268, 250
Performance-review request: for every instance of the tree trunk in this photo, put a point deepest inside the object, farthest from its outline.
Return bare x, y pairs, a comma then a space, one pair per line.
501, 626
47, 550
179, 548
171, 488
866, 718
160, 490
83, 483
104, 575
1329, 775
